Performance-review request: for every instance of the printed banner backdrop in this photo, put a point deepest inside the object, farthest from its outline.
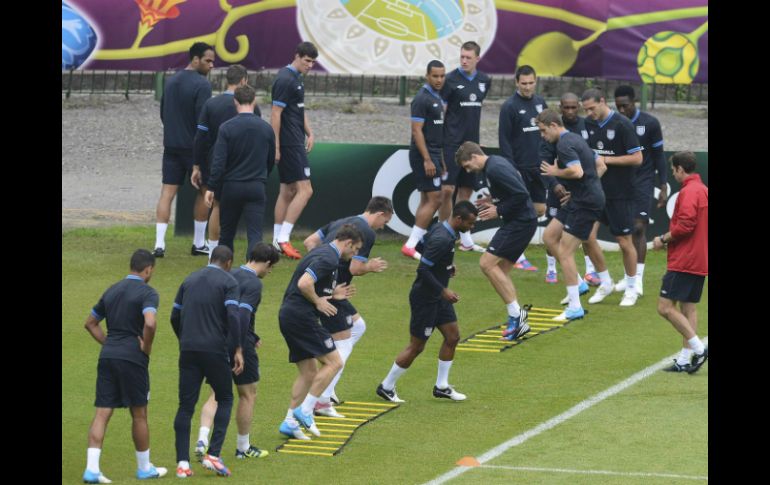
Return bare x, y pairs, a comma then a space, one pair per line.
662, 41
346, 176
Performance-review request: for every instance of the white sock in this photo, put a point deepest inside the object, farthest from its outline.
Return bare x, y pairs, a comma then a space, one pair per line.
276, 231
183, 464
290, 416
285, 233
358, 330
630, 284
466, 239
639, 270
200, 234
203, 434
143, 460
514, 310
521, 258
685, 355
696, 345
442, 380
589, 265
415, 236
574, 296
243, 442
92, 457
390, 381
213, 243
344, 347
551, 263
605, 277
160, 234
308, 404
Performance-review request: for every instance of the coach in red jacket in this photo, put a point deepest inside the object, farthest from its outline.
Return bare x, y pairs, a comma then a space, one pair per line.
688, 262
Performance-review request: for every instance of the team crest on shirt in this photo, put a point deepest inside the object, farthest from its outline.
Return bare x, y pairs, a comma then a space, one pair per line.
539, 108
584, 133
482, 87
472, 97
600, 145
428, 331
329, 343
640, 130
610, 134
532, 121
307, 171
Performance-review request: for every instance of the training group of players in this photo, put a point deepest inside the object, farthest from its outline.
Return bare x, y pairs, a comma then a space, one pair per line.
577, 171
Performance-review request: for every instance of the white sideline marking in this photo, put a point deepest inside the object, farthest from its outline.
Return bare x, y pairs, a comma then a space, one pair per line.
596, 472
556, 420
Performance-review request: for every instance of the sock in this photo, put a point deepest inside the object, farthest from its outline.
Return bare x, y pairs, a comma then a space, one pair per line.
589, 266
358, 330
213, 243
415, 236
308, 404
143, 460
442, 380
514, 310
200, 234
696, 345
344, 347
685, 355
92, 455
630, 284
276, 231
290, 417
243, 442
160, 234
183, 464
639, 270
466, 239
390, 381
574, 296
521, 258
551, 263
203, 435
285, 233
605, 277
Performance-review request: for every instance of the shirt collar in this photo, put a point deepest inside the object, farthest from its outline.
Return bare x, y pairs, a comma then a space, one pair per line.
431, 91
336, 249
469, 78
134, 277
449, 228
243, 266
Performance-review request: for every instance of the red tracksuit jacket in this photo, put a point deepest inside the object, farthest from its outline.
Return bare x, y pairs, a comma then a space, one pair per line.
688, 251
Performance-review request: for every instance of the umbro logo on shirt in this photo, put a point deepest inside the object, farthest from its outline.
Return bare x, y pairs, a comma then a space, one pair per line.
522, 111
460, 86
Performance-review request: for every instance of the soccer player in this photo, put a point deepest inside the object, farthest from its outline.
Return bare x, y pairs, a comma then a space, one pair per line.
244, 155
180, 108
291, 124
430, 301
464, 92
613, 138
262, 258
306, 298
519, 141
687, 267
347, 326
510, 202
215, 111
426, 155
122, 378
578, 218
653, 160
205, 320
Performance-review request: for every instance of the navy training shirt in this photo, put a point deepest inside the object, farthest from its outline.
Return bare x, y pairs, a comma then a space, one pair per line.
518, 134
244, 151
124, 305
428, 108
289, 93
614, 137
321, 264
436, 263
508, 190
180, 107
586, 192
464, 96
215, 111
651, 138
548, 150
250, 288
202, 299
329, 232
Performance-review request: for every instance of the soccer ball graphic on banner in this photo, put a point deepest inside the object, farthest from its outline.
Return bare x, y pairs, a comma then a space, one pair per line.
668, 58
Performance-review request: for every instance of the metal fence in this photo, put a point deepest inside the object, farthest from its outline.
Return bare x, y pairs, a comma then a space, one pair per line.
367, 86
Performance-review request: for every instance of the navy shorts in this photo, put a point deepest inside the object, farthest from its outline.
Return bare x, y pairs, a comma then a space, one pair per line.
422, 181
534, 183
250, 372
457, 176
121, 384
511, 239
678, 286
342, 321
553, 204
293, 165
644, 194
427, 316
305, 336
618, 214
177, 165
578, 221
